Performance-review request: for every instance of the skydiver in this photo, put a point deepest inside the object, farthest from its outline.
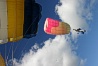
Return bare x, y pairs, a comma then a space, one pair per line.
80, 30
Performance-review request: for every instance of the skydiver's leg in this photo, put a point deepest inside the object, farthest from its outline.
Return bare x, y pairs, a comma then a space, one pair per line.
84, 30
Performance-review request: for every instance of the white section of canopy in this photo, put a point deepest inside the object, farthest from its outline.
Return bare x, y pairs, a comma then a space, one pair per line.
45, 25
3, 0
3, 22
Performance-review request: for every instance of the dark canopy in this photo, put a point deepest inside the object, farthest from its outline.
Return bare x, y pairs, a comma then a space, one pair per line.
32, 15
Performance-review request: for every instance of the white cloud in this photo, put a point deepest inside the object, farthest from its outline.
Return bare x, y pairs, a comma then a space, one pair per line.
56, 52
89, 8
60, 51
82, 62
75, 13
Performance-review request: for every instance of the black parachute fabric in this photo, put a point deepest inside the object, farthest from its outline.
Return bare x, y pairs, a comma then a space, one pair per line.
32, 15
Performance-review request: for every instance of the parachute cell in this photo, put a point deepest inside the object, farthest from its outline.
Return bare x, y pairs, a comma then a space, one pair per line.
32, 16
11, 20
15, 19
3, 22
56, 27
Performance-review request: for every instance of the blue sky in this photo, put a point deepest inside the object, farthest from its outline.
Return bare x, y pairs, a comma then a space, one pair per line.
88, 43
85, 46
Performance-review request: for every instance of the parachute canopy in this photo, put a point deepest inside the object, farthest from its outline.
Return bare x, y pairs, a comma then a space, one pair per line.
18, 19
56, 27
11, 20
32, 15
2, 63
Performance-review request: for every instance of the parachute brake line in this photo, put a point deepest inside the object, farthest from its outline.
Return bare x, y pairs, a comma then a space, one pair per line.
12, 57
27, 40
5, 57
